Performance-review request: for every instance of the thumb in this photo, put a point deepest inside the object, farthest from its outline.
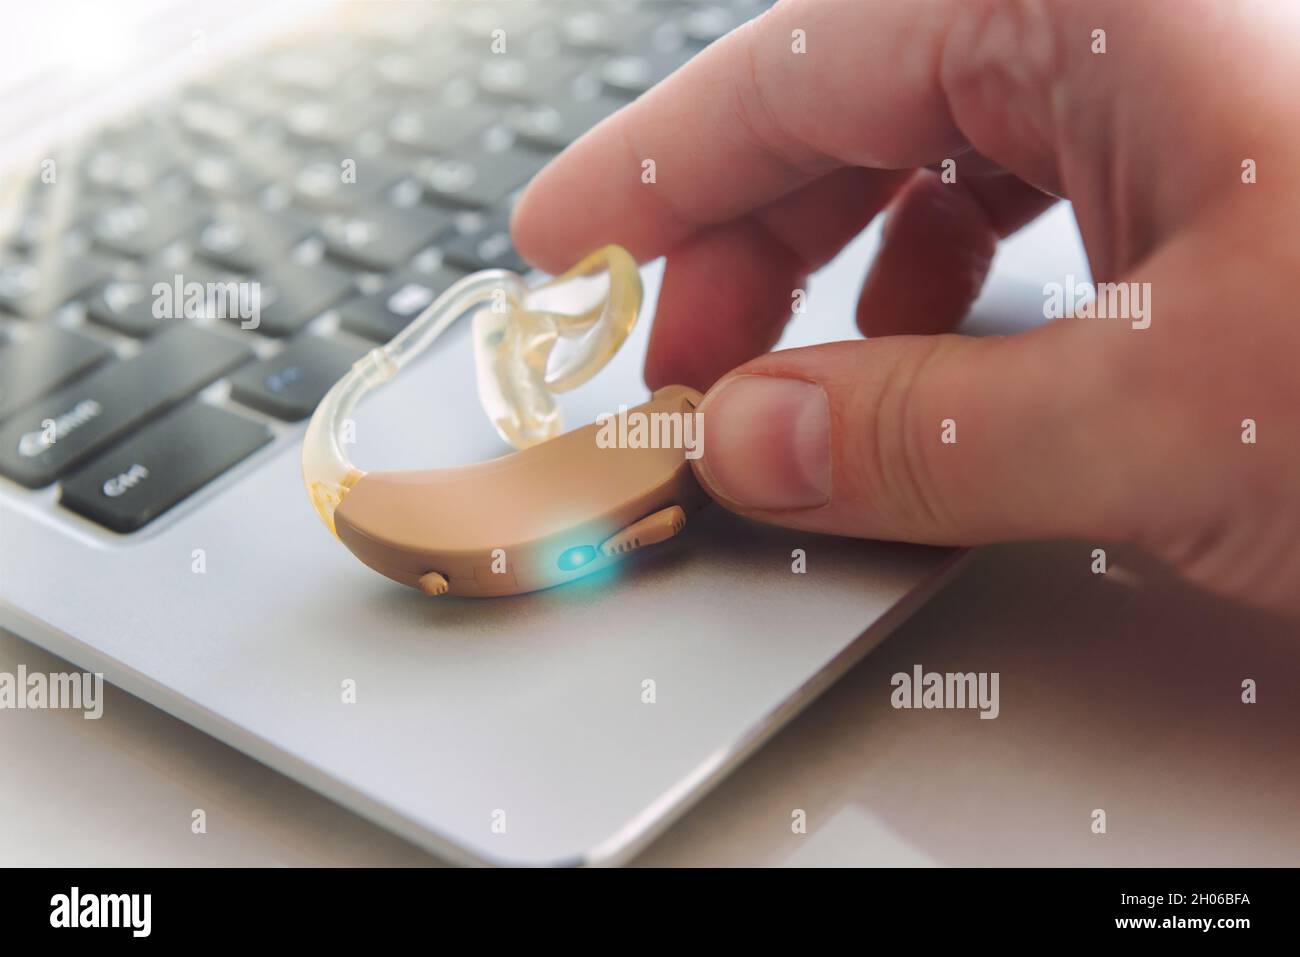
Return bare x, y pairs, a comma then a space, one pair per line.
936, 439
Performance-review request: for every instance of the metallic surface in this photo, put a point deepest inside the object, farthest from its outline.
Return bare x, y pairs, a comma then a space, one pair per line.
529, 705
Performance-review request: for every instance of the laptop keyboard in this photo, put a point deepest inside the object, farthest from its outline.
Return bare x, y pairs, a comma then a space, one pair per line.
266, 225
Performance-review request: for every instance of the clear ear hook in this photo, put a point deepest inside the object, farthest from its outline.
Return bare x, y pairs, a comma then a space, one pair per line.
530, 344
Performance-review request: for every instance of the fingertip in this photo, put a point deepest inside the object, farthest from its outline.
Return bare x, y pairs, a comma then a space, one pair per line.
935, 253
769, 444
668, 363
723, 300
532, 227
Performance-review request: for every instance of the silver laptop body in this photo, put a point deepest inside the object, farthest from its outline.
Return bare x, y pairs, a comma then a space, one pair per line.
563, 727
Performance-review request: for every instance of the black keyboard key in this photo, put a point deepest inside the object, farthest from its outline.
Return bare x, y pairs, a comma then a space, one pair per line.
488, 247
422, 71
480, 21
125, 305
203, 114
338, 184
528, 78
705, 24
142, 306
65, 429
439, 127
382, 238
632, 74
383, 315
132, 168
604, 29
290, 384
35, 287
479, 179
161, 466
61, 222
51, 357
226, 175
141, 228
291, 295
325, 122
553, 126
37, 215
248, 238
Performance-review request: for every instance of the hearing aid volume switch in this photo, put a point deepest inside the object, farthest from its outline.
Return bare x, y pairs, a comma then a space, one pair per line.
434, 584
651, 530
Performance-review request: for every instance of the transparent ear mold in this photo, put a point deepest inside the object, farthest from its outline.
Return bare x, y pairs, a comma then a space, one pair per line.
530, 344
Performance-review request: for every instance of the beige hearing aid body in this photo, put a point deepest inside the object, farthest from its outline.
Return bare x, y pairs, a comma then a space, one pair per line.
505, 526
559, 508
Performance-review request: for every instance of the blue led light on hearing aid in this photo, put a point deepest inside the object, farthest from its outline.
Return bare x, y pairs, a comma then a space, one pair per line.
576, 557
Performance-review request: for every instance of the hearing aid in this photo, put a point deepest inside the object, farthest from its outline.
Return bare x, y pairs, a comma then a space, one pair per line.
563, 504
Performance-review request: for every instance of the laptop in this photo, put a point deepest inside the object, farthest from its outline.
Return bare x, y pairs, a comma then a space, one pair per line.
153, 523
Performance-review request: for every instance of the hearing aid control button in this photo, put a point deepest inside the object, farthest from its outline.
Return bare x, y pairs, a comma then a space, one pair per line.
433, 584
651, 530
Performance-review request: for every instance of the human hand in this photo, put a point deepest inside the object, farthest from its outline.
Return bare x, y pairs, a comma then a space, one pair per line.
768, 161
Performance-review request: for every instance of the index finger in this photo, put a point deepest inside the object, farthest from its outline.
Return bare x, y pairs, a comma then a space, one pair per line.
803, 89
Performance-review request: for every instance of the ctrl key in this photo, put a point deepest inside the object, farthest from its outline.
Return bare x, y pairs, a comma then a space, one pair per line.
173, 458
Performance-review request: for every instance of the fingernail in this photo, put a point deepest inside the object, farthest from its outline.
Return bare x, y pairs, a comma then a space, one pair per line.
767, 443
